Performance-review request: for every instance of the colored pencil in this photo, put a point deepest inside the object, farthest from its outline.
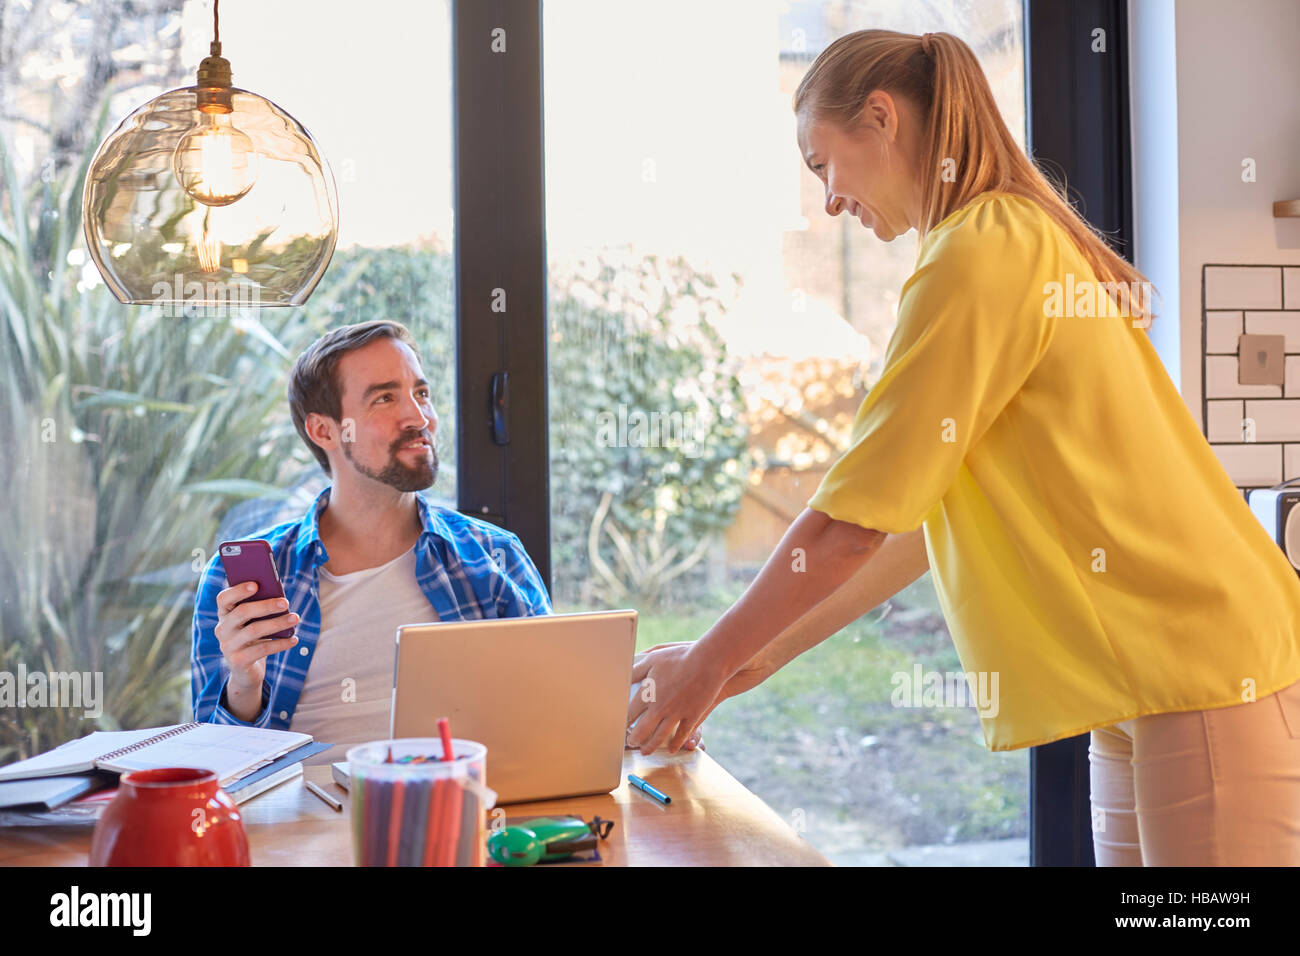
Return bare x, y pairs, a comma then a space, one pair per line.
444, 731
435, 806
369, 802
378, 843
373, 799
480, 821
411, 812
404, 829
358, 818
465, 848
397, 789
417, 798
418, 803
386, 809
451, 823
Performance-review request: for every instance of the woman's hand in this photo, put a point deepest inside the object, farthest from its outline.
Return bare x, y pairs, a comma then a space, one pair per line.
676, 693
674, 687
636, 704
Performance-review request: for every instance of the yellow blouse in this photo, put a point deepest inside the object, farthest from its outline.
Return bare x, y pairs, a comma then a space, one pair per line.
1092, 558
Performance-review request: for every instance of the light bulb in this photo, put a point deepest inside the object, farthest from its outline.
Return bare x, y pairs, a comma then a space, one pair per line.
215, 162
209, 251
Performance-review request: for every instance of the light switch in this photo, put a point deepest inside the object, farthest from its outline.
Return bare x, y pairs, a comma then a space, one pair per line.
1261, 360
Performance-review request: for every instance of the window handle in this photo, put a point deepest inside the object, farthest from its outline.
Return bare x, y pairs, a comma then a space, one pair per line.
500, 407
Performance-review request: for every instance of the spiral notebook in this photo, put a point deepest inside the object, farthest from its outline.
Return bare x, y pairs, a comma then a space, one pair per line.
229, 750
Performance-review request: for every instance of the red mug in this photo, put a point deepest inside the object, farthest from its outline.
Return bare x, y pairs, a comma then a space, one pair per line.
176, 816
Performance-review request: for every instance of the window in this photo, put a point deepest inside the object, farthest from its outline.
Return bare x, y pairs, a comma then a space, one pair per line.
711, 334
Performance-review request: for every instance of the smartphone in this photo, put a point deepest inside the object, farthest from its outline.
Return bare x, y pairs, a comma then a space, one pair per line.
246, 561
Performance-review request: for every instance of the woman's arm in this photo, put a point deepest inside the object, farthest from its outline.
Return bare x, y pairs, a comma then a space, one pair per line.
900, 561
815, 557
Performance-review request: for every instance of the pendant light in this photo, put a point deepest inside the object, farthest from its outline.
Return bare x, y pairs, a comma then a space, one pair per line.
210, 195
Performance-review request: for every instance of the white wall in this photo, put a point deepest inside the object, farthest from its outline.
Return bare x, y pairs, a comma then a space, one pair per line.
1238, 97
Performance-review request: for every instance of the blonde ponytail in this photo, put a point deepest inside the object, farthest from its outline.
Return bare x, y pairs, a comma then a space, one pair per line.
964, 135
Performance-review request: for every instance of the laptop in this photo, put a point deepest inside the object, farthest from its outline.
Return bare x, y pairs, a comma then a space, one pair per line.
547, 695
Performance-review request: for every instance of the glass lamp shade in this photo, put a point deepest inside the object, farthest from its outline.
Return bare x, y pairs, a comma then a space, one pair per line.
245, 212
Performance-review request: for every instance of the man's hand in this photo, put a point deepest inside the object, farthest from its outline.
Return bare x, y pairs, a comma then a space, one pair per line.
243, 647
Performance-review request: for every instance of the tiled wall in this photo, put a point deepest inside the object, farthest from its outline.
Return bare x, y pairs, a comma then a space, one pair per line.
1255, 300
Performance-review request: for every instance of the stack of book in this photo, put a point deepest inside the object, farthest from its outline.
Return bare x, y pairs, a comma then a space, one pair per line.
73, 783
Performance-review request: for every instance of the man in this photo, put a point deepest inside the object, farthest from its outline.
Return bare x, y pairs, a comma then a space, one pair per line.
371, 554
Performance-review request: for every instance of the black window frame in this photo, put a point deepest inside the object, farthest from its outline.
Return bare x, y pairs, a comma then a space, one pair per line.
1077, 104
503, 463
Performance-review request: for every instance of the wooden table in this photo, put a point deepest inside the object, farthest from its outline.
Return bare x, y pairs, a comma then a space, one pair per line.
712, 821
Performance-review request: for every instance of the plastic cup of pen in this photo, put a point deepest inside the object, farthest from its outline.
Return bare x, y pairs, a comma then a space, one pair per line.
418, 809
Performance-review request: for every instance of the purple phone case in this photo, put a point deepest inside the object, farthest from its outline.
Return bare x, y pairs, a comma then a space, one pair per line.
253, 563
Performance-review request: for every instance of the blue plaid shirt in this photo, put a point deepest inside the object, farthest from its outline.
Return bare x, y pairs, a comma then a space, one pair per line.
468, 568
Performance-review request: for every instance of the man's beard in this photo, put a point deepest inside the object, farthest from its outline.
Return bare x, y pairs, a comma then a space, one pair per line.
397, 475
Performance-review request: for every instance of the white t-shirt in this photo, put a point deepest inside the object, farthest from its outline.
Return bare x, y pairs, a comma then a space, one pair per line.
347, 697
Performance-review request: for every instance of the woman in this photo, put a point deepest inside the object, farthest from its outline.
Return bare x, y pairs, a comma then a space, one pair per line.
1094, 562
